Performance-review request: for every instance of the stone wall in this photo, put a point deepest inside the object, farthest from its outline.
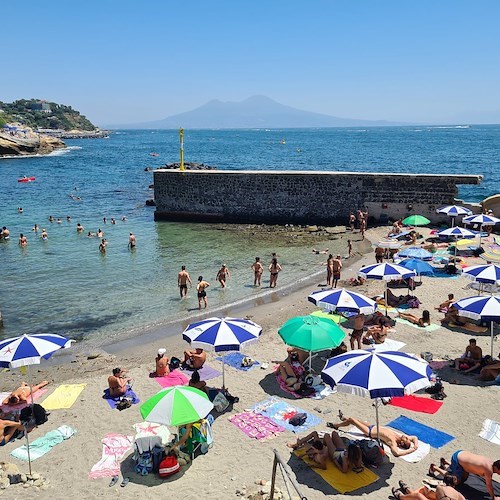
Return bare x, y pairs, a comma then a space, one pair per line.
299, 197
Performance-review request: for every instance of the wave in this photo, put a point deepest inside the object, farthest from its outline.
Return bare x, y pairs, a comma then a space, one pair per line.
452, 126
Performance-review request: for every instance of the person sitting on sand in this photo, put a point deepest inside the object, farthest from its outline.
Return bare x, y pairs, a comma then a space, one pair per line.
452, 319
330, 446
290, 370
440, 492
463, 463
444, 306
162, 364
197, 382
118, 383
491, 370
194, 360
424, 321
376, 333
471, 359
10, 431
23, 394
399, 444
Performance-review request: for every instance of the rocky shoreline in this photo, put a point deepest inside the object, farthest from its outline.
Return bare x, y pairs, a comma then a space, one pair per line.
29, 144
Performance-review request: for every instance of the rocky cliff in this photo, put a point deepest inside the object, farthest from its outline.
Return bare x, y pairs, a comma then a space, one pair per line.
29, 145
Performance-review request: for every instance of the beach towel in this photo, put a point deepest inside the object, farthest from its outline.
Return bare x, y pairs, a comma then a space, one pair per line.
442, 274
388, 345
435, 438
336, 318
44, 444
149, 429
338, 480
430, 328
206, 372
173, 378
256, 426
11, 408
234, 359
281, 412
417, 403
438, 365
63, 397
491, 431
475, 488
114, 448
321, 391
113, 401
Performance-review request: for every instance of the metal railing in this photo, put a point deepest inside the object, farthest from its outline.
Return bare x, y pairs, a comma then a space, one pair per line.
287, 475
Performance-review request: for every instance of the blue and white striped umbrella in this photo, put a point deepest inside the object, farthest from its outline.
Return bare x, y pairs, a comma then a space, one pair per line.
489, 273
458, 232
342, 300
386, 272
222, 334
29, 349
482, 219
377, 374
480, 308
415, 253
454, 210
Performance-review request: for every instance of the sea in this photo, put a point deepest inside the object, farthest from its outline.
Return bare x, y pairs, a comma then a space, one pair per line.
65, 285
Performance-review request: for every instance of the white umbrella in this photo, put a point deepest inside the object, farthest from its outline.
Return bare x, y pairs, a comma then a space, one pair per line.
343, 300
454, 211
457, 232
482, 220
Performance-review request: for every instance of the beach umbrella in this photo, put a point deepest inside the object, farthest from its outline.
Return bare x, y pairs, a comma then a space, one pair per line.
343, 301
457, 232
377, 374
454, 211
486, 273
390, 244
419, 266
178, 405
416, 220
482, 220
221, 335
311, 333
387, 272
416, 253
480, 308
27, 350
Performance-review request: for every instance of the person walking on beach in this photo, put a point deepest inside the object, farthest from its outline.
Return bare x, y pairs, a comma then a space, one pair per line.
274, 269
131, 241
329, 270
337, 266
349, 248
222, 275
352, 221
183, 279
258, 269
201, 290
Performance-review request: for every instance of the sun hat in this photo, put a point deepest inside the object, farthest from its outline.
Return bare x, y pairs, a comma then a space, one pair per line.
161, 352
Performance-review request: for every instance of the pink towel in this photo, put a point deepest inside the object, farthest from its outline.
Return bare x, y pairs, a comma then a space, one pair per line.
36, 395
173, 378
114, 448
255, 425
284, 387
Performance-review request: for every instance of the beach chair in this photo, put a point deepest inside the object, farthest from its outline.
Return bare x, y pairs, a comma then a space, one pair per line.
201, 438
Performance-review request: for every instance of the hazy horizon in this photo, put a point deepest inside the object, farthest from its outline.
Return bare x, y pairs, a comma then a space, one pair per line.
417, 62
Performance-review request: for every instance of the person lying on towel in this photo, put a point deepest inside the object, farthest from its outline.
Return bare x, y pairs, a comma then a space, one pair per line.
23, 394
399, 444
10, 431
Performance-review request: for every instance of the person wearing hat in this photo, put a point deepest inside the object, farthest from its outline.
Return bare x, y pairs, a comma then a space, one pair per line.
162, 368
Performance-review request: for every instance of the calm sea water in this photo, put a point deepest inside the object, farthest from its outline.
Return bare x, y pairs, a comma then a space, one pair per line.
65, 285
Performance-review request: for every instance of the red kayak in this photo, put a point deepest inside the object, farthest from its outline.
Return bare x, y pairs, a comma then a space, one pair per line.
26, 179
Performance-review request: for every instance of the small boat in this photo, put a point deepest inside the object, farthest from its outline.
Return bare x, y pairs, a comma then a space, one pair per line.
26, 179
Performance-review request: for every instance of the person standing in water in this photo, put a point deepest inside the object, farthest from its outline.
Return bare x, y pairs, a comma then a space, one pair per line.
102, 246
131, 241
258, 269
201, 290
183, 279
274, 269
222, 275
23, 241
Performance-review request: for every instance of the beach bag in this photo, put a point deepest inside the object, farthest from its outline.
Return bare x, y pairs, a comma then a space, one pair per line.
169, 466
158, 454
298, 419
35, 414
372, 453
312, 380
220, 402
174, 363
144, 463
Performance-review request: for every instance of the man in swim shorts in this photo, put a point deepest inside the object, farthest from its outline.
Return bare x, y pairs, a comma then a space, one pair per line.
337, 266
357, 332
183, 279
201, 291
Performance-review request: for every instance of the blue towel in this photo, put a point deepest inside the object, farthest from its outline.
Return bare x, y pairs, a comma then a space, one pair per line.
234, 359
113, 401
435, 438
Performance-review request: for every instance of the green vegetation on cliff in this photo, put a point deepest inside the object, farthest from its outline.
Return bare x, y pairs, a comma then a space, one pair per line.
37, 113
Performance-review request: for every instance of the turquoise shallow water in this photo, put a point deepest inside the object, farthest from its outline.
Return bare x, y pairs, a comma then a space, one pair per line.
64, 285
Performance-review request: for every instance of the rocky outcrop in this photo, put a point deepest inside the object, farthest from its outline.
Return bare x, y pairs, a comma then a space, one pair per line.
15, 145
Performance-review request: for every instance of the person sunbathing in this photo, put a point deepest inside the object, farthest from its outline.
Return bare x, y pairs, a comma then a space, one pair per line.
315, 448
463, 463
444, 306
453, 319
441, 492
194, 360
425, 320
399, 444
23, 394
118, 383
471, 359
10, 431
396, 301
490, 371
197, 382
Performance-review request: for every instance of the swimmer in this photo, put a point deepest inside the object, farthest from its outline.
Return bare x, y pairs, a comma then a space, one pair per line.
44, 236
79, 228
100, 234
20, 210
35, 228
103, 245
131, 240
317, 252
51, 219
59, 221
23, 241
113, 221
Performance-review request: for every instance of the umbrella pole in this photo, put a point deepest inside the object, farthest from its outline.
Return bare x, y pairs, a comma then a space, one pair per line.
377, 422
223, 375
492, 337
385, 298
32, 414
311, 353
452, 221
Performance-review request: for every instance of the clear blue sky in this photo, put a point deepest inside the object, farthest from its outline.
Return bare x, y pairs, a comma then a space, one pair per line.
434, 61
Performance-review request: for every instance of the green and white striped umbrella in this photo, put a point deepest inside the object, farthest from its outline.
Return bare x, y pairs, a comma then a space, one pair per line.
177, 405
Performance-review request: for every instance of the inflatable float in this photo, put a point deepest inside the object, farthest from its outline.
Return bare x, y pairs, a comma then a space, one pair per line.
26, 179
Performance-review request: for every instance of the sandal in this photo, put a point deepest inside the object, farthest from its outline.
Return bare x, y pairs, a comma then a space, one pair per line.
396, 493
443, 463
404, 487
114, 480
124, 482
431, 470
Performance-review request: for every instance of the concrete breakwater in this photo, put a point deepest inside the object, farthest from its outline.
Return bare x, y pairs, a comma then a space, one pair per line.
306, 197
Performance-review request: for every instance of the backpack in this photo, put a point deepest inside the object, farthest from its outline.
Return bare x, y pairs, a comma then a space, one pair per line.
298, 419
174, 363
169, 466
35, 414
372, 453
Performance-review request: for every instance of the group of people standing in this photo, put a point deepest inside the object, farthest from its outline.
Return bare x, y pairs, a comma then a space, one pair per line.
359, 221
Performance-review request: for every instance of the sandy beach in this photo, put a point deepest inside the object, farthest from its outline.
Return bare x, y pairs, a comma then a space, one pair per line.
236, 462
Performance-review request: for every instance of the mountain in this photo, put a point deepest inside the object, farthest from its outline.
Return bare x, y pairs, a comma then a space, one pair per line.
254, 112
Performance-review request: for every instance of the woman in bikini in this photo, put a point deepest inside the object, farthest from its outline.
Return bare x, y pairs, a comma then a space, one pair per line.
274, 269
425, 320
223, 275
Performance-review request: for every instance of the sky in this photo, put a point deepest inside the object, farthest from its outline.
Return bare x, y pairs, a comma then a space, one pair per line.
118, 62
